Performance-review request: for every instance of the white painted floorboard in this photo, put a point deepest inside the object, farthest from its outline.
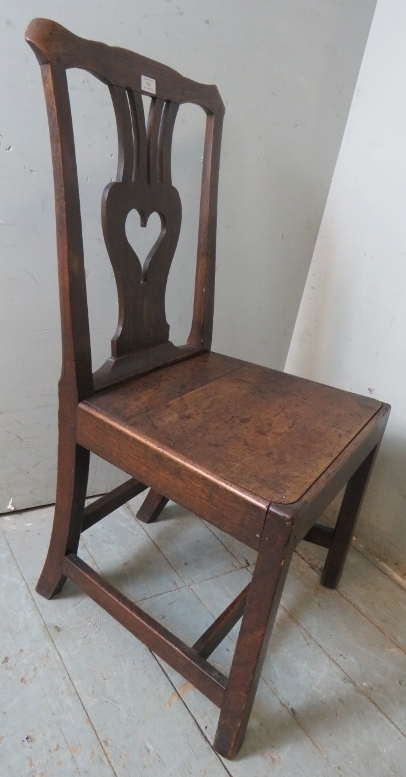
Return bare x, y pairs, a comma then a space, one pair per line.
80, 696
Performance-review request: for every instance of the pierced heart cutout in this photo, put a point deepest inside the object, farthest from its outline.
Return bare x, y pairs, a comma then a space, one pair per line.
142, 239
141, 289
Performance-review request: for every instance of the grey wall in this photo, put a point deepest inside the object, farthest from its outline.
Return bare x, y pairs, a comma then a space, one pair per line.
351, 326
286, 70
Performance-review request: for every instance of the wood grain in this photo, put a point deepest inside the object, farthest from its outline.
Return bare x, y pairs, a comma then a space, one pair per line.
269, 433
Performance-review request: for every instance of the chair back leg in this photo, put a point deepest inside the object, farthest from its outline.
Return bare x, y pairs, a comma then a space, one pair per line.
151, 507
347, 518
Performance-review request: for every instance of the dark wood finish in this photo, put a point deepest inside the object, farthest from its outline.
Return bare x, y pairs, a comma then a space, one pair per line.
215, 634
152, 507
155, 636
234, 472
220, 502
276, 548
143, 182
337, 475
53, 43
256, 452
224, 414
115, 370
73, 469
106, 504
345, 525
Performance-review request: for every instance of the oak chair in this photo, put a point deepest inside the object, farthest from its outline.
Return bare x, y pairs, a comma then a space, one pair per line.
258, 453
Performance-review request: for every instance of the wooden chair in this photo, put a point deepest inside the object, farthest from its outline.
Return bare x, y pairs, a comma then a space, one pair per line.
256, 452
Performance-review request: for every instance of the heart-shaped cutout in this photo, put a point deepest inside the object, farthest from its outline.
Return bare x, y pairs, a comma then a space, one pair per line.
142, 239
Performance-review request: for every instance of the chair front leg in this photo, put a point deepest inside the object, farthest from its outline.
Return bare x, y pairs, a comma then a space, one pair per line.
264, 595
347, 518
73, 471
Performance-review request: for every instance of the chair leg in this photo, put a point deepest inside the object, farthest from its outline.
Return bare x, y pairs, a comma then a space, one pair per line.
264, 595
151, 507
347, 518
73, 470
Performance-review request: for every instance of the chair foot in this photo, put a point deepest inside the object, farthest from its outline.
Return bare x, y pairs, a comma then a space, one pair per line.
346, 521
51, 582
151, 507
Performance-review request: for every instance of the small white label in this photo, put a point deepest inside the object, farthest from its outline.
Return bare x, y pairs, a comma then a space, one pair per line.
148, 84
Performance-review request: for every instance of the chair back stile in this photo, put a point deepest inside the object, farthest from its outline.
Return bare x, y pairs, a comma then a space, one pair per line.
143, 182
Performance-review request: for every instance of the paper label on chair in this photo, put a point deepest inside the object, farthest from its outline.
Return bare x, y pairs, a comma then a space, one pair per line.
148, 84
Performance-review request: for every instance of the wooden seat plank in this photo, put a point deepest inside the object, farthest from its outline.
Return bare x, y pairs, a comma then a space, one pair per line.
269, 433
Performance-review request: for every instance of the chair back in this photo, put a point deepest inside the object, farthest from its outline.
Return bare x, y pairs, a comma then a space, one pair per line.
143, 182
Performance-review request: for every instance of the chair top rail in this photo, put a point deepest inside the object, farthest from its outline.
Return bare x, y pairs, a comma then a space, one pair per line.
54, 44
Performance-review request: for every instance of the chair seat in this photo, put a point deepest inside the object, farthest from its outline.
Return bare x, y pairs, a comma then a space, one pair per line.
258, 434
